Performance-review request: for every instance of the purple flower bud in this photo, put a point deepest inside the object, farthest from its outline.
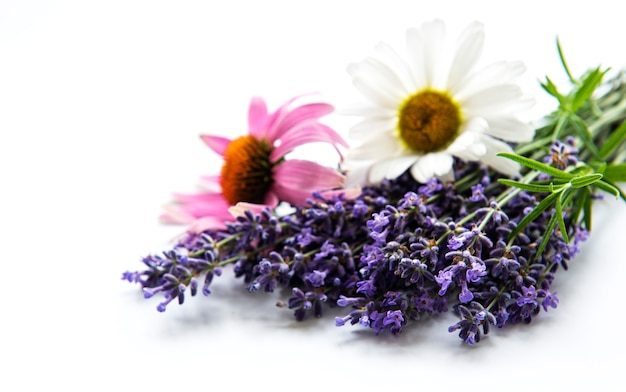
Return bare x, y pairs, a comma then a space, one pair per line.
339, 321
316, 278
466, 295
529, 295
345, 301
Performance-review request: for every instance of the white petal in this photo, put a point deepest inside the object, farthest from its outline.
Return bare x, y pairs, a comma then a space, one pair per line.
503, 165
399, 65
356, 174
497, 99
381, 75
421, 171
431, 165
510, 129
370, 126
390, 168
434, 35
448, 177
502, 108
365, 109
415, 52
476, 125
468, 52
442, 163
383, 144
375, 93
502, 72
469, 145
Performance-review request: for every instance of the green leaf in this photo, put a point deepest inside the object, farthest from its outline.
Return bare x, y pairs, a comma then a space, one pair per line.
586, 180
536, 165
582, 196
588, 86
546, 236
608, 188
583, 132
551, 89
616, 172
614, 141
564, 63
587, 209
560, 125
532, 187
581, 170
559, 217
534, 214
614, 185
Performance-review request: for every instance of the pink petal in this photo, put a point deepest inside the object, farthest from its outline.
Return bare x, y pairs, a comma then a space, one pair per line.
201, 205
345, 193
175, 215
300, 114
275, 119
257, 117
211, 180
271, 199
206, 223
295, 180
203, 197
240, 208
216, 143
307, 133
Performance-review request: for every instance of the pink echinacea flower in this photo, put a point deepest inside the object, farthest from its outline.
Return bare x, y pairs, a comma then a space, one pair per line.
255, 171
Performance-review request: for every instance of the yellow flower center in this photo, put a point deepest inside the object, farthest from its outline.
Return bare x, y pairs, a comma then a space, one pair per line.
429, 121
247, 171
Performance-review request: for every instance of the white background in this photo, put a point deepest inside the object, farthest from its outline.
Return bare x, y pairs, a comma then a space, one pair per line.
101, 105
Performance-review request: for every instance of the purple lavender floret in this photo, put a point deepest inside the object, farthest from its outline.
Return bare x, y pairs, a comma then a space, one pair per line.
562, 154
270, 273
548, 299
305, 302
475, 322
170, 274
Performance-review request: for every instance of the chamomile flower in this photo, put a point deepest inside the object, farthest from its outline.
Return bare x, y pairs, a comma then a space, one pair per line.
256, 172
432, 105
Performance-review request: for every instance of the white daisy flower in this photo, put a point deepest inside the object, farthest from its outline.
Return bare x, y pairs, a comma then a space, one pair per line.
433, 105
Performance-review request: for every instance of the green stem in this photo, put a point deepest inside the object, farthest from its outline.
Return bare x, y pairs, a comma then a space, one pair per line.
534, 145
613, 114
497, 297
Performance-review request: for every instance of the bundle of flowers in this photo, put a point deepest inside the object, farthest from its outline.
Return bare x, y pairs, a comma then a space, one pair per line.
448, 203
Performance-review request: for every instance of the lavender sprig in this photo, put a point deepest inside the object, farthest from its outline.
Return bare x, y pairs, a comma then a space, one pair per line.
485, 246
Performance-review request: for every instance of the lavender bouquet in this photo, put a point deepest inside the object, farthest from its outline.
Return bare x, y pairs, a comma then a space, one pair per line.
449, 202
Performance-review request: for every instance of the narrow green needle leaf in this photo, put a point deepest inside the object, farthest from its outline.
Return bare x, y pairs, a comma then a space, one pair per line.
551, 89
536, 165
578, 204
616, 172
608, 188
560, 125
586, 180
534, 214
614, 185
583, 132
532, 187
546, 236
588, 86
587, 210
614, 141
559, 218
564, 63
